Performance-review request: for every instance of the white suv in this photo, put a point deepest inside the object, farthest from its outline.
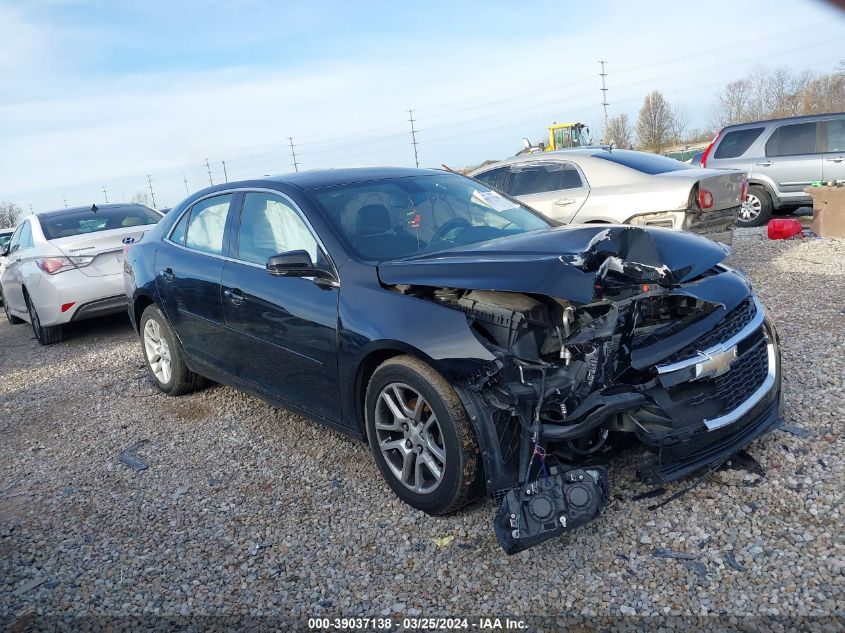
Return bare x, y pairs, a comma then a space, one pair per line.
67, 265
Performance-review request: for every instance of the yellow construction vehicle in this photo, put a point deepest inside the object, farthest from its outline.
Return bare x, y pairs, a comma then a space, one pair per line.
563, 135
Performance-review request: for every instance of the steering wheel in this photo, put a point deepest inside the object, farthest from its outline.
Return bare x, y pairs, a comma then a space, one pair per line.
451, 225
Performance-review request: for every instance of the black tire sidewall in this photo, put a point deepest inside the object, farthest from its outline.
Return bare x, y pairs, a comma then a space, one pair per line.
37, 330
442, 498
765, 207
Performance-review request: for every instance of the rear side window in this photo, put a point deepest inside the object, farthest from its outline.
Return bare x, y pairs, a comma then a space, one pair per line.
792, 140
205, 228
736, 143
835, 136
81, 221
526, 179
492, 178
643, 161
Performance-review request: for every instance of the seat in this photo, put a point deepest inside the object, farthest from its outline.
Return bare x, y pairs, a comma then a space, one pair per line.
376, 238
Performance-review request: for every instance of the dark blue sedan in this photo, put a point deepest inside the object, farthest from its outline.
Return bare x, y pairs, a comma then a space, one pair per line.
474, 344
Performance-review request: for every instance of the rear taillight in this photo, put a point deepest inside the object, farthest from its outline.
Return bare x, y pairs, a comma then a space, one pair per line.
705, 199
743, 192
709, 149
54, 265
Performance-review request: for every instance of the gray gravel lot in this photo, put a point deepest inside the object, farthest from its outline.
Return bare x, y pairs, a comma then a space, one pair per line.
246, 509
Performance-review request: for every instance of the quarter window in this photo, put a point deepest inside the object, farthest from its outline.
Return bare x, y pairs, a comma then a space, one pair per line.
205, 228
792, 140
540, 178
15, 242
26, 236
736, 143
269, 226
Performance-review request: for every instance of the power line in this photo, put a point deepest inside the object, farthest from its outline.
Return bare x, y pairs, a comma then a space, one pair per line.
603, 94
225, 175
152, 193
185, 178
208, 170
293, 154
105, 195
414, 138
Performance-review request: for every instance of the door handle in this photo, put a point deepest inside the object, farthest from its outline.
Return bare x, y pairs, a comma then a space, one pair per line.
168, 275
562, 202
838, 159
766, 163
234, 296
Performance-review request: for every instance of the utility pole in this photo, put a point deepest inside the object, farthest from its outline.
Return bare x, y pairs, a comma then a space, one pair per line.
64, 199
152, 193
225, 175
208, 170
31, 210
414, 137
185, 178
293, 154
603, 74
105, 195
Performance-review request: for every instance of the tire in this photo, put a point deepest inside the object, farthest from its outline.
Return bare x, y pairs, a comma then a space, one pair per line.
13, 320
44, 335
448, 442
164, 356
757, 208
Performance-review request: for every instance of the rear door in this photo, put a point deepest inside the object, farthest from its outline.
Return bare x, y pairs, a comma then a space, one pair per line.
189, 265
793, 158
556, 189
283, 328
12, 276
833, 167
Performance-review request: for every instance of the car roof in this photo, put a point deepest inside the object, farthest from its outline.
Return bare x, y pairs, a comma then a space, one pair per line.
803, 117
575, 155
317, 178
100, 207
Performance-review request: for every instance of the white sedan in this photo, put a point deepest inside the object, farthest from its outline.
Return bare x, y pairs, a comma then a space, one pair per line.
67, 265
599, 184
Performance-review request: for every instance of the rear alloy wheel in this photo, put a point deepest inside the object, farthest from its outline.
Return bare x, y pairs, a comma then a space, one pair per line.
164, 356
421, 438
756, 209
13, 320
44, 335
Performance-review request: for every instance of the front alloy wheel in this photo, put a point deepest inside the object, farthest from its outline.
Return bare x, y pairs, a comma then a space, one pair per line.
410, 438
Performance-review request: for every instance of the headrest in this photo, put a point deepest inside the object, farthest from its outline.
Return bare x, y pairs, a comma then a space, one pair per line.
373, 219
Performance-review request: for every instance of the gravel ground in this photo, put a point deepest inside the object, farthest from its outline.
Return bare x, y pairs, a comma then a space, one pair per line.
246, 509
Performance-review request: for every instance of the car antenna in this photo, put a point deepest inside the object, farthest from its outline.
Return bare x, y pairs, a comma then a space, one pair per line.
94, 208
610, 147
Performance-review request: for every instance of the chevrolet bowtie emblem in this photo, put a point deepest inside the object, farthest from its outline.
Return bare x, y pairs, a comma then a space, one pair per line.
715, 364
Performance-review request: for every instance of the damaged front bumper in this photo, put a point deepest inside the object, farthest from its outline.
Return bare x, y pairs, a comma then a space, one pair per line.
716, 388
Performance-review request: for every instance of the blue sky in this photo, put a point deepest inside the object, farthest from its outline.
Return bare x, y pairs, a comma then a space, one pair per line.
100, 94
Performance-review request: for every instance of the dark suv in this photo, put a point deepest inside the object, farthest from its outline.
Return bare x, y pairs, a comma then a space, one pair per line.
782, 158
474, 344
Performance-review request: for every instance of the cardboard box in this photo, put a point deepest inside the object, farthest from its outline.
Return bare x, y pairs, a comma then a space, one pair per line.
828, 211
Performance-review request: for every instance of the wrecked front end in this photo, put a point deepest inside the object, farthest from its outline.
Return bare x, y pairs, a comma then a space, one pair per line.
683, 360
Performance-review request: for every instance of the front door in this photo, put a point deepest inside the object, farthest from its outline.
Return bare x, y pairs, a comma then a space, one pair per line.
554, 188
189, 265
283, 328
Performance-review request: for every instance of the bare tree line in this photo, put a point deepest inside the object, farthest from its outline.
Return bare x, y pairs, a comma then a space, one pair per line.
10, 213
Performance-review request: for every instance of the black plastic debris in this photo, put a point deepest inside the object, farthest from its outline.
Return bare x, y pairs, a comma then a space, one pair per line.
797, 431
733, 562
697, 567
743, 461
648, 494
668, 553
134, 462
822, 463
703, 542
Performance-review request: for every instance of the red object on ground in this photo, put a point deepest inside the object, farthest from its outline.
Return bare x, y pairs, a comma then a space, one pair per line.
784, 228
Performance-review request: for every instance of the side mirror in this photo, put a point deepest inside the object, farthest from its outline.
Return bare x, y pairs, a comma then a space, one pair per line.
295, 264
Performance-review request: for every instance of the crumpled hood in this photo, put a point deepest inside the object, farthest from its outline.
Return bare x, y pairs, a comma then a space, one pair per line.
570, 262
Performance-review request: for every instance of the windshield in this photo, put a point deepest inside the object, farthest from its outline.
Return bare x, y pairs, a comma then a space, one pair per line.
391, 219
79, 221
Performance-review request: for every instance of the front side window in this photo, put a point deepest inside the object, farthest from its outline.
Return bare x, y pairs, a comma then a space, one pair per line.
836, 135
81, 221
531, 178
206, 226
269, 226
793, 140
402, 217
492, 178
736, 143
15, 242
